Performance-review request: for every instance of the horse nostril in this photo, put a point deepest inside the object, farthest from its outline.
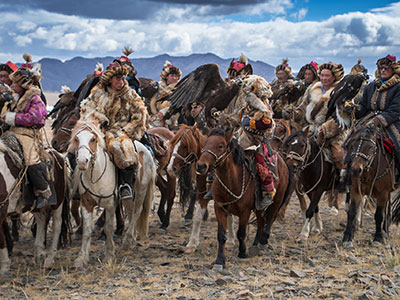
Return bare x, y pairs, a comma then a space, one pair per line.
356, 171
200, 167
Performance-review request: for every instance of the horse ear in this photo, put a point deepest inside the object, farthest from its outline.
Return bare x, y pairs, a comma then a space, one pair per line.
306, 130
229, 134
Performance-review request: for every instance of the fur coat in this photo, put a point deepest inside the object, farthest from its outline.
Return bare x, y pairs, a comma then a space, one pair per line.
317, 105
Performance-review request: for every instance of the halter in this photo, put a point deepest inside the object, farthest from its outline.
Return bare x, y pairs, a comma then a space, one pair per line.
67, 130
273, 136
367, 158
301, 158
188, 159
218, 159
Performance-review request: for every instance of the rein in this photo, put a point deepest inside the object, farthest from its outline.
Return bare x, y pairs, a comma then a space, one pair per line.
188, 159
273, 136
218, 159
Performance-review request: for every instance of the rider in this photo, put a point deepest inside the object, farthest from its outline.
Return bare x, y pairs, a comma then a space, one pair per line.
26, 116
5, 71
380, 103
124, 60
123, 117
170, 75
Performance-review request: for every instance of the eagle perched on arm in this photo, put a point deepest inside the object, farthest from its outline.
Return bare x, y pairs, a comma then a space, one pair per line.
205, 86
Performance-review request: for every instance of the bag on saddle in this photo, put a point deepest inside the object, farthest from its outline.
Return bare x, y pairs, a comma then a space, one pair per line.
156, 143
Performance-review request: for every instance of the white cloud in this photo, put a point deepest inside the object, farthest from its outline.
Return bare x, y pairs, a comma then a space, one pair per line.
342, 38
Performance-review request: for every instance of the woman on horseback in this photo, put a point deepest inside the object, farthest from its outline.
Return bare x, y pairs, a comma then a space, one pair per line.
123, 117
25, 115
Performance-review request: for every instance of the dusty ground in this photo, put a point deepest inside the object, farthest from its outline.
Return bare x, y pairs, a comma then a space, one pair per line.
159, 269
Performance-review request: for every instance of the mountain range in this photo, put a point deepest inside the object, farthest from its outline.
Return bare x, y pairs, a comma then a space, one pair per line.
71, 72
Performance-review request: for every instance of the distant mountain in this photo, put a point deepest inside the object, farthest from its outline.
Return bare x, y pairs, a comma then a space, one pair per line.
71, 72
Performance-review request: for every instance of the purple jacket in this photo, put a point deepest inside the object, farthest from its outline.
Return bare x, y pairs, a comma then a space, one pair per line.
33, 114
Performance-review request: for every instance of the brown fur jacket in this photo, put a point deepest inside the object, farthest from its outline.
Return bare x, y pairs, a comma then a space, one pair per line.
123, 110
317, 106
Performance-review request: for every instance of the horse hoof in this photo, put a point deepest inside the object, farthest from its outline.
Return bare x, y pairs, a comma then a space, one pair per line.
188, 222
348, 245
376, 244
48, 263
5, 274
78, 264
254, 251
190, 250
302, 238
218, 268
230, 244
316, 231
334, 211
162, 230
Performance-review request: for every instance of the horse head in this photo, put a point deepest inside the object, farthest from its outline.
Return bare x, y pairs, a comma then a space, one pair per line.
297, 148
217, 147
280, 132
185, 147
86, 139
361, 149
62, 134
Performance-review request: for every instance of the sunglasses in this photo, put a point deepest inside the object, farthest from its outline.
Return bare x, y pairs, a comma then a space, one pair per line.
384, 67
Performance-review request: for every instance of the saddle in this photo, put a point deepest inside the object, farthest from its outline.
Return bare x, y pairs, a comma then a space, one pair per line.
9, 144
156, 143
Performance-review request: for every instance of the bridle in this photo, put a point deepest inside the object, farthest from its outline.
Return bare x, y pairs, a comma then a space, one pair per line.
273, 136
218, 159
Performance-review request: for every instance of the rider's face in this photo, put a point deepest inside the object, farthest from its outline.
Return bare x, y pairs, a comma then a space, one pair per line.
282, 76
327, 79
117, 82
308, 76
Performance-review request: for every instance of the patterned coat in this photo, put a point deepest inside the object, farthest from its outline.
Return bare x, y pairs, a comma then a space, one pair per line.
383, 104
123, 117
26, 116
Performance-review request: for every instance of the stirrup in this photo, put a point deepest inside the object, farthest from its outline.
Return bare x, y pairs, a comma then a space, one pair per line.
266, 201
40, 202
208, 195
125, 191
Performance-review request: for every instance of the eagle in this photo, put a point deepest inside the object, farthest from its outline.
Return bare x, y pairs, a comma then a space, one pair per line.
204, 86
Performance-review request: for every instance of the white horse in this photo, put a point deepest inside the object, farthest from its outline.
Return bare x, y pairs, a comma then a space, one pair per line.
11, 200
139, 209
96, 179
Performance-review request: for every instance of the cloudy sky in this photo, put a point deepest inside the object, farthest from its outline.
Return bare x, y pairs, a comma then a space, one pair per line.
266, 30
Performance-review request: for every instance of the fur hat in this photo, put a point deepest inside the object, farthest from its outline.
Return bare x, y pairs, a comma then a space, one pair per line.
337, 70
126, 62
239, 67
27, 77
388, 60
8, 67
313, 66
358, 68
169, 69
284, 67
112, 70
28, 59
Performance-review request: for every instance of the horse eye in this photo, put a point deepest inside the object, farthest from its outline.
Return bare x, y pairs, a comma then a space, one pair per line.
92, 139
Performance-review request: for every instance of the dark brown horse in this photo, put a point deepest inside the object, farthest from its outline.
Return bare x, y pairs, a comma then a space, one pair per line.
316, 175
186, 148
234, 190
282, 129
372, 175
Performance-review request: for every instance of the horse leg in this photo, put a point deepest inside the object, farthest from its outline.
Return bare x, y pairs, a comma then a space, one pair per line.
379, 219
170, 202
314, 196
40, 218
108, 230
15, 226
189, 212
57, 220
241, 233
359, 212
221, 237
128, 235
194, 240
162, 186
87, 215
317, 228
4, 259
231, 233
254, 249
120, 220
75, 204
355, 200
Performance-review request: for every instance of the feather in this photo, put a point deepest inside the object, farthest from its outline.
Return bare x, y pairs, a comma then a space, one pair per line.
285, 61
99, 67
127, 51
27, 57
65, 89
37, 70
243, 59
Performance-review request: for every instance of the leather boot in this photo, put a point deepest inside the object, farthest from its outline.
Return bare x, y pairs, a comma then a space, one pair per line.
126, 178
266, 201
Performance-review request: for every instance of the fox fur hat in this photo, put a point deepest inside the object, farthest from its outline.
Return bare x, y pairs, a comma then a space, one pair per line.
125, 61
112, 70
239, 67
313, 66
284, 67
169, 68
28, 74
358, 68
388, 60
337, 70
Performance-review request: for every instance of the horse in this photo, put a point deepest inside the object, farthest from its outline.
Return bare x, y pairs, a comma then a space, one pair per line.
282, 129
186, 148
314, 172
234, 191
12, 172
370, 160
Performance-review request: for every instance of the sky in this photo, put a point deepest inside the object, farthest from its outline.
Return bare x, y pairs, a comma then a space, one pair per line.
266, 30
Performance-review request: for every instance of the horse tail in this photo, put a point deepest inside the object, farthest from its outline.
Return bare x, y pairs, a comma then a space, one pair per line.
7, 235
396, 208
142, 224
288, 192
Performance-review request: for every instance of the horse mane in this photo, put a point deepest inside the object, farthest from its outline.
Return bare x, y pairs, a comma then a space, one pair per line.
183, 135
93, 127
238, 154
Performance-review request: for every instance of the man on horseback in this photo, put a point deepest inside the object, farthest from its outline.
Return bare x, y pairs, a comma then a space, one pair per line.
170, 75
123, 117
5, 72
25, 116
379, 105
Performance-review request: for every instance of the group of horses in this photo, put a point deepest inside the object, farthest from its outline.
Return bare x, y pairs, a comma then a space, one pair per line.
300, 164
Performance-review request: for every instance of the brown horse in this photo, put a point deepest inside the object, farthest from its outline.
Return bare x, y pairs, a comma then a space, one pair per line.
315, 174
234, 191
186, 148
372, 175
282, 129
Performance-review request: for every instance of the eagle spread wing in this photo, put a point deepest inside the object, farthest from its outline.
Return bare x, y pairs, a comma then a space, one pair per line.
197, 86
